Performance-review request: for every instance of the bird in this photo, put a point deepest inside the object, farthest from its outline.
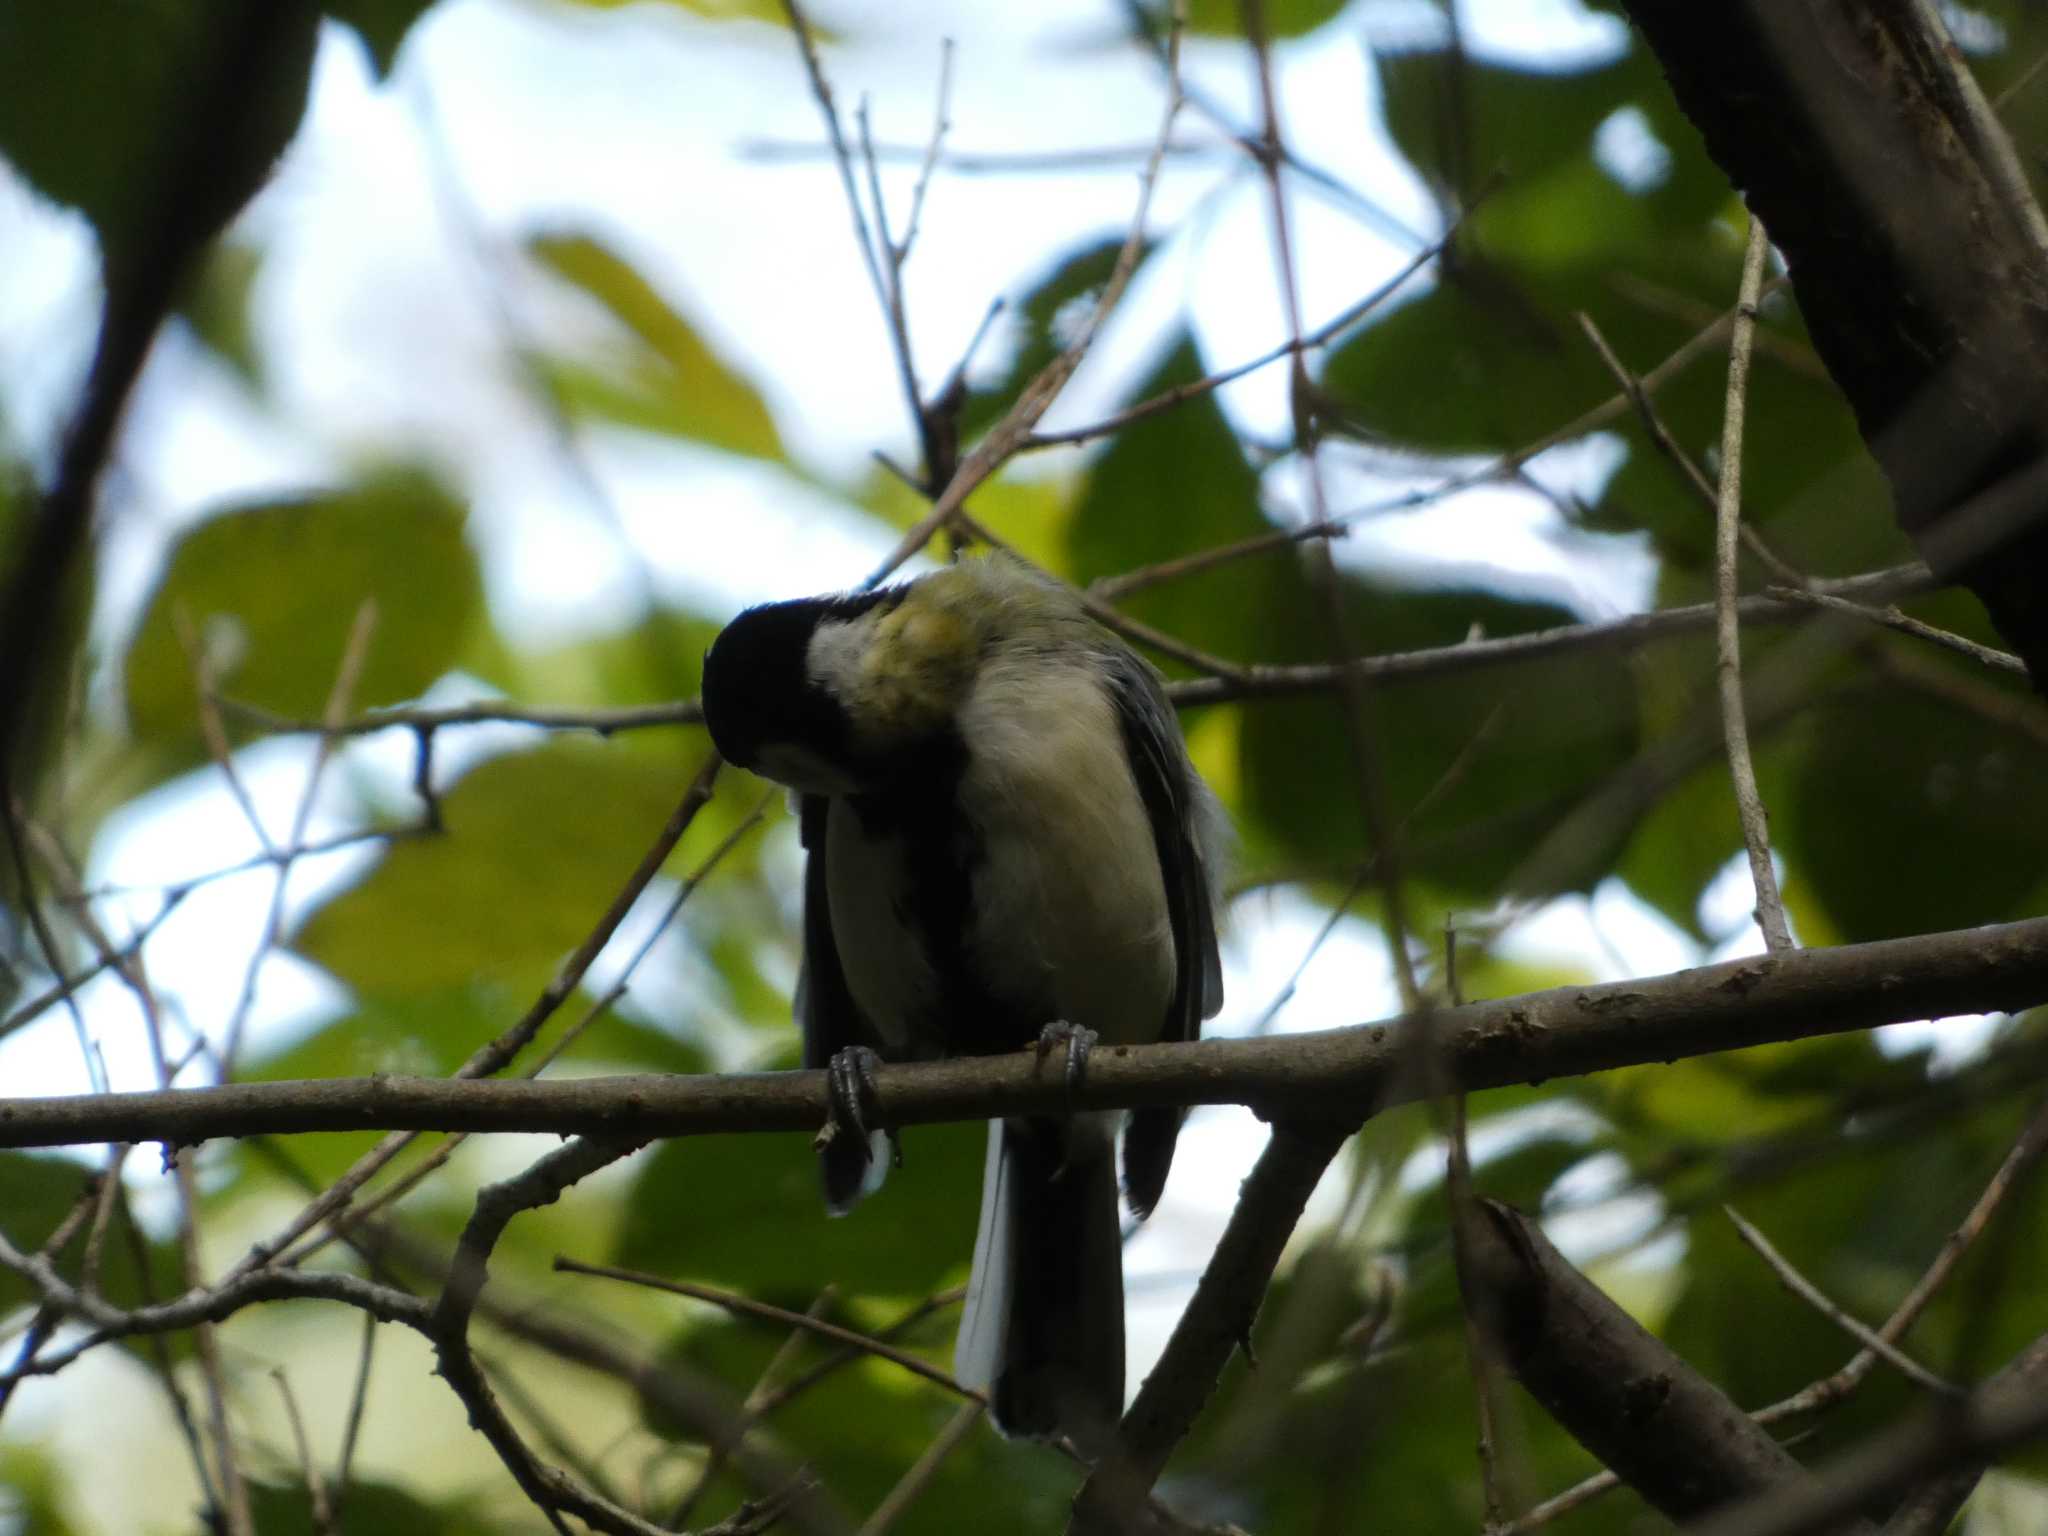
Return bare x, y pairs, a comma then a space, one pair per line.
1007, 847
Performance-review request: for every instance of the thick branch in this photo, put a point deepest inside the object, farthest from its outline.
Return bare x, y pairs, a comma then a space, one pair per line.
1671, 1434
1217, 1321
1854, 131
2007, 1411
1337, 1073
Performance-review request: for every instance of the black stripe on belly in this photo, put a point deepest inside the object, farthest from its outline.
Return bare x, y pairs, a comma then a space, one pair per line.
919, 809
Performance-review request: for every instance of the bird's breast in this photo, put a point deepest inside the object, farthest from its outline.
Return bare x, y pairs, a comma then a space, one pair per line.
1017, 885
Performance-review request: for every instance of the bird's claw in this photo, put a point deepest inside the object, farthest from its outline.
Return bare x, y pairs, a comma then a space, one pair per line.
1079, 1040
851, 1097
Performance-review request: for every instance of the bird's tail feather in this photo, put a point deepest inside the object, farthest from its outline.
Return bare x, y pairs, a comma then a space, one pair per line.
1043, 1327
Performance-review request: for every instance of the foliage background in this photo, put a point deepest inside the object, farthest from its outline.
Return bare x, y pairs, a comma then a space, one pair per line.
546, 336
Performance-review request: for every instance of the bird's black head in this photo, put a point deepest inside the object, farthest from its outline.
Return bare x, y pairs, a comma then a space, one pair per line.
764, 705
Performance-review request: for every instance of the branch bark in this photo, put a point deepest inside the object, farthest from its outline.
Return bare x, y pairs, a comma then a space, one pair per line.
1854, 131
1328, 1074
1671, 1434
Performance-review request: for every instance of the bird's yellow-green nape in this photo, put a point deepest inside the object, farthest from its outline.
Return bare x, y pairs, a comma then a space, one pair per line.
920, 656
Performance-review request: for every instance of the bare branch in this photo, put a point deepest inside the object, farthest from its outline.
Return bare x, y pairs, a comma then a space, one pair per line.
746, 1306
1535, 1037
1822, 1303
1770, 906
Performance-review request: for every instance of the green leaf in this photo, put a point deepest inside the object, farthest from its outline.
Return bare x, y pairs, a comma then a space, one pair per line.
861, 1427
1172, 484
1519, 123
36, 1192
216, 306
1476, 766
672, 382
746, 1211
286, 1509
537, 843
98, 110
32, 1492
1283, 18
1909, 814
276, 588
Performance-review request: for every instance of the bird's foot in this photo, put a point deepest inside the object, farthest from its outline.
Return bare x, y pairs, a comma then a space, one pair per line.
846, 1144
851, 1097
1079, 1040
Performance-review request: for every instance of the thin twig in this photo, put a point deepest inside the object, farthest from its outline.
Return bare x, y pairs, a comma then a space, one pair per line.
1891, 617
922, 1471
1487, 1372
358, 1395
942, 123
492, 1057
719, 1451
1007, 436
1112, 588
1668, 445
601, 1005
322, 1512
1822, 1303
1180, 394
746, 1306
354, 652
1110, 618
1353, 690
1770, 906
1825, 1393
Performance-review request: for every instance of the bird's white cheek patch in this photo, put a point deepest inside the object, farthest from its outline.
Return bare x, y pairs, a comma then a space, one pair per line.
833, 658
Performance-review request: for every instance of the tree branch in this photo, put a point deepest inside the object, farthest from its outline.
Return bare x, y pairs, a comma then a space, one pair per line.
1671, 1434
1350, 1072
1916, 253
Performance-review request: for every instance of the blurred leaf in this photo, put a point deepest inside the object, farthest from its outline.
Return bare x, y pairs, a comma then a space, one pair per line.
674, 383
863, 1426
1949, 833
1521, 1176
1174, 484
1476, 765
97, 111
1685, 839
381, 24
746, 1211
285, 1509
1520, 123
1042, 326
216, 305
537, 843
36, 1193
276, 586
660, 658
32, 1487
1283, 18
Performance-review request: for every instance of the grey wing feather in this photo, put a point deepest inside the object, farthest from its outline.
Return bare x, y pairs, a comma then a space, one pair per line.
1177, 804
830, 1020
824, 1007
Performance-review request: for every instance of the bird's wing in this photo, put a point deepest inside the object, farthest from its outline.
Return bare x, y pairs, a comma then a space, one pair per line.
824, 1007
1164, 779
849, 1166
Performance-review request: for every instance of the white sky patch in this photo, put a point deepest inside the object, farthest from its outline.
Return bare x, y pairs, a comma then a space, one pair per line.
1628, 149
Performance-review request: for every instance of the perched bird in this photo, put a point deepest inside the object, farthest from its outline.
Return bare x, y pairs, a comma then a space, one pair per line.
1007, 844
